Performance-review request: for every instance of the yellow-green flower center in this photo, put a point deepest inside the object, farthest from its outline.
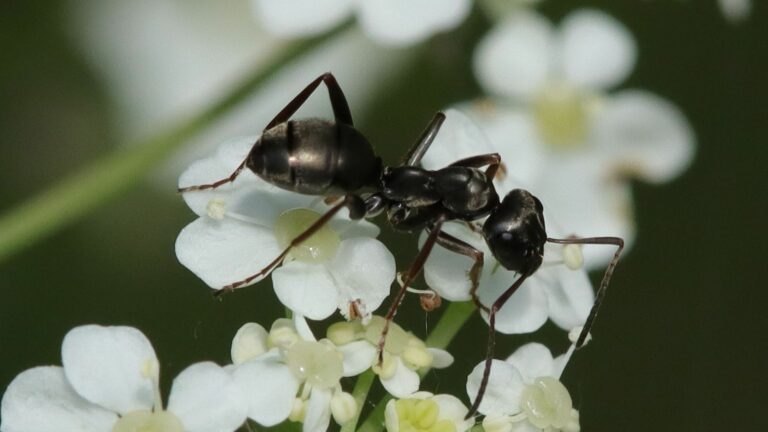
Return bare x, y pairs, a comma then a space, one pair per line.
546, 403
317, 363
421, 415
561, 115
147, 421
318, 248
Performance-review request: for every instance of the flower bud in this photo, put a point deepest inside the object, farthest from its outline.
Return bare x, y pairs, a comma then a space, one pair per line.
343, 407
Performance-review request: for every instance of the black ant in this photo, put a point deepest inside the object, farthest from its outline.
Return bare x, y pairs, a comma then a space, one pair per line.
333, 159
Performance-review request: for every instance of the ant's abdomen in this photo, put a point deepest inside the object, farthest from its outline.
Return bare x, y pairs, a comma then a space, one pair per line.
315, 157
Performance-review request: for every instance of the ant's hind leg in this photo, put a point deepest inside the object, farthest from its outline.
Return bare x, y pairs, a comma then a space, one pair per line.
356, 207
460, 247
338, 101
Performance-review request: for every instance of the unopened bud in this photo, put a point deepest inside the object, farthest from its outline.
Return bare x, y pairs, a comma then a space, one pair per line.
343, 407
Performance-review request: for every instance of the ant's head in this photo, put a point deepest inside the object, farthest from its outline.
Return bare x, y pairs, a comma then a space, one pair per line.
515, 232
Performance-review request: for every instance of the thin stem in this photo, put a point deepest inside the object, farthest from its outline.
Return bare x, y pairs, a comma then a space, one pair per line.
360, 393
105, 178
453, 319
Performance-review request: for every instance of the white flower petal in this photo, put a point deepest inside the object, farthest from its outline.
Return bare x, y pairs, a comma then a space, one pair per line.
445, 271
293, 18
505, 385
440, 358
451, 408
512, 134
302, 328
646, 135
225, 251
391, 419
363, 270
532, 360
270, 389
459, 137
358, 357
524, 312
41, 400
598, 51
307, 289
318, 414
249, 342
587, 202
347, 228
400, 22
515, 58
110, 366
570, 298
403, 383
205, 398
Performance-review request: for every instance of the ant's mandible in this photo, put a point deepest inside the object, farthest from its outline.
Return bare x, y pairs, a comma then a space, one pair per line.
332, 159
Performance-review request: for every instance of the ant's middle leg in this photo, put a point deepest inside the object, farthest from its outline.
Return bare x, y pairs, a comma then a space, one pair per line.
460, 247
492, 160
354, 203
413, 271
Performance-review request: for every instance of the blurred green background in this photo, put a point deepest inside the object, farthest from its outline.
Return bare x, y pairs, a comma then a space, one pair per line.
680, 343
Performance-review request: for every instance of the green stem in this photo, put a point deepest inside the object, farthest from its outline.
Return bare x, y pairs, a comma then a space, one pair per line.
106, 178
453, 319
360, 393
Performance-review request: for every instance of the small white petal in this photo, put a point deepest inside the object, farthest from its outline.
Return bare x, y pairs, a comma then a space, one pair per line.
440, 358
403, 383
505, 385
226, 251
302, 328
451, 408
400, 22
294, 18
318, 414
524, 312
205, 398
570, 298
358, 357
109, 366
646, 135
307, 289
598, 50
249, 342
391, 420
41, 400
515, 58
270, 389
532, 360
363, 270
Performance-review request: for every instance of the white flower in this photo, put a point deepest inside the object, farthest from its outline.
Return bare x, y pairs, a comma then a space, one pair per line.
287, 374
579, 143
524, 392
425, 412
389, 22
109, 382
243, 226
735, 11
404, 354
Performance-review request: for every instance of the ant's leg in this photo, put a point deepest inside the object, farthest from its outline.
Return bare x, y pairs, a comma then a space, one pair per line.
492, 160
460, 247
417, 151
338, 102
356, 207
340, 111
491, 342
217, 183
413, 271
614, 241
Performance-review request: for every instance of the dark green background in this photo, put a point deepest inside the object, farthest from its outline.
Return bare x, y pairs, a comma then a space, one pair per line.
680, 343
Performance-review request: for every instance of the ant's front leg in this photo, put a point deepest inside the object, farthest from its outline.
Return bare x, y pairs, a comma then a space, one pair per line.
460, 247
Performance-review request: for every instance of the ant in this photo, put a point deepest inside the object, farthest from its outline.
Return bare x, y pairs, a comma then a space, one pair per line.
333, 159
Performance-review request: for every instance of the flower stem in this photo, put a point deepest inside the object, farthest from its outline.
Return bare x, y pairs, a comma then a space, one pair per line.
453, 319
360, 393
105, 178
